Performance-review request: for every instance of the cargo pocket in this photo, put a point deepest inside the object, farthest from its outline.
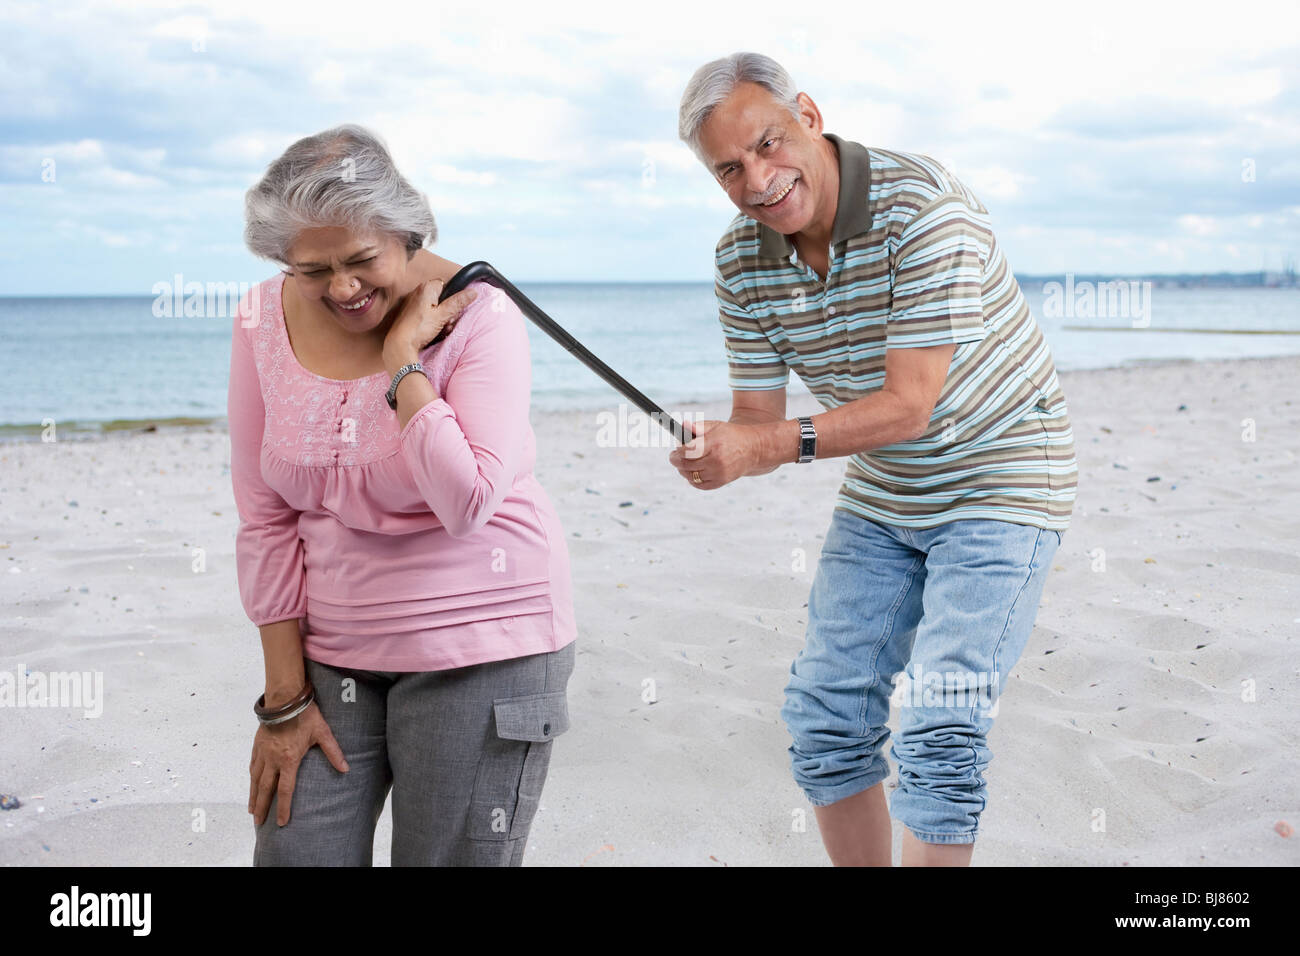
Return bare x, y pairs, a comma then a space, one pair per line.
512, 770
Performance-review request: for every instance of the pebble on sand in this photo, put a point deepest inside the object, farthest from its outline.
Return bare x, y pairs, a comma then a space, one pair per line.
1283, 828
9, 802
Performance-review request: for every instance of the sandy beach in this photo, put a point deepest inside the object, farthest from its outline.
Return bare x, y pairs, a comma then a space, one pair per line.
1151, 720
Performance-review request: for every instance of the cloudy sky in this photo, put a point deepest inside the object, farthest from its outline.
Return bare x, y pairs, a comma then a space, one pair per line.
1121, 138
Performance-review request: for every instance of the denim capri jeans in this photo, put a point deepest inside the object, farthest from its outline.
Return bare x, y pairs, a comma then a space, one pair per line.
935, 618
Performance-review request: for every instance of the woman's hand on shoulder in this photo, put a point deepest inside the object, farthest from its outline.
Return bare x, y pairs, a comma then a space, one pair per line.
421, 319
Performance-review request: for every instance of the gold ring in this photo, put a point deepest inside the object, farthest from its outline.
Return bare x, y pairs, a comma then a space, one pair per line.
695, 477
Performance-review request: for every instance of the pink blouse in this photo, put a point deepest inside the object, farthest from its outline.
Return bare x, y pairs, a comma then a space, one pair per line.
421, 548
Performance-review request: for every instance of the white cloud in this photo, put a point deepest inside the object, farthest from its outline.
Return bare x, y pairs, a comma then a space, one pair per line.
1198, 225
441, 172
329, 78
185, 28
1114, 138
995, 182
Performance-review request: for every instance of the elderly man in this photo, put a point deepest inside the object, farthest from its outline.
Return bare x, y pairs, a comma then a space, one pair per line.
874, 275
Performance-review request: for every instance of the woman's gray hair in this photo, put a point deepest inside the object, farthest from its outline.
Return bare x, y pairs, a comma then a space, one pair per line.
715, 81
341, 177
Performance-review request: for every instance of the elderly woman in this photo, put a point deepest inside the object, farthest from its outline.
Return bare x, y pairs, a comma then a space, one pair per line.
407, 573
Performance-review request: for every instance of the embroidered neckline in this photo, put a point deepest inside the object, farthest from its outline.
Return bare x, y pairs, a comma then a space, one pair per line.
283, 326
316, 421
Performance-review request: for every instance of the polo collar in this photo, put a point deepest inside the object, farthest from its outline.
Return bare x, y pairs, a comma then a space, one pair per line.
851, 213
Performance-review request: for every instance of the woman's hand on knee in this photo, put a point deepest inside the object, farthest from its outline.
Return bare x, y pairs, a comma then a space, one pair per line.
277, 751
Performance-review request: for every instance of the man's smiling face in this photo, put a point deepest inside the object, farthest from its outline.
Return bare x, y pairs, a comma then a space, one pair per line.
770, 163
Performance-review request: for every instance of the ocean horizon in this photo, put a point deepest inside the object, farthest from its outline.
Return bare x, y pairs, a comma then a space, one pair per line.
663, 337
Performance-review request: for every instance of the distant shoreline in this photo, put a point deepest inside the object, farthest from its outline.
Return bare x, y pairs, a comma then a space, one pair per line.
1256, 279
89, 430
81, 429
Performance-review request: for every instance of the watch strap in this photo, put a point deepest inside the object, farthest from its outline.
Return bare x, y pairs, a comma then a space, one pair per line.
401, 373
807, 440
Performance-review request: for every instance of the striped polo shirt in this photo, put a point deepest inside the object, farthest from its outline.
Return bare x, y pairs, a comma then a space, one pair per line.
913, 262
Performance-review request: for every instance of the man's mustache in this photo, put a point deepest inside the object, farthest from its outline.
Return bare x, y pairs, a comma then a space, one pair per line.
774, 192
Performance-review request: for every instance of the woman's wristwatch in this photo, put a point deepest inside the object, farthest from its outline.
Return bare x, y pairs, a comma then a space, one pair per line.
807, 440
402, 373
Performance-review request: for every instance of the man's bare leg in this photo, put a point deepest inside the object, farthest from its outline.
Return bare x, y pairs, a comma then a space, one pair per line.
856, 830
919, 853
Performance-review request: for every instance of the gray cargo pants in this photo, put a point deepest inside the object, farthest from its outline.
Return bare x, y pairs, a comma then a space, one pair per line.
464, 751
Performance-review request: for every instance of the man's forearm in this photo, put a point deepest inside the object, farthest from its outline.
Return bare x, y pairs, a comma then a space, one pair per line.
872, 421
772, 434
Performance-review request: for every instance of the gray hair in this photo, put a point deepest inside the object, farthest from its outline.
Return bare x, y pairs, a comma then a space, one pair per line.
715, 81
341, 177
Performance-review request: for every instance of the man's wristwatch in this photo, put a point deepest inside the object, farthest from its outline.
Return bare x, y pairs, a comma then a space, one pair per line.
401, 374
807, 440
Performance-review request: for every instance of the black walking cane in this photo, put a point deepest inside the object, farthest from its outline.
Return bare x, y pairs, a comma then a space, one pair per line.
482, 270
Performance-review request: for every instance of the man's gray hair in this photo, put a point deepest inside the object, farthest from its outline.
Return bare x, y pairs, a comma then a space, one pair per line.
715, 81
341, 177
